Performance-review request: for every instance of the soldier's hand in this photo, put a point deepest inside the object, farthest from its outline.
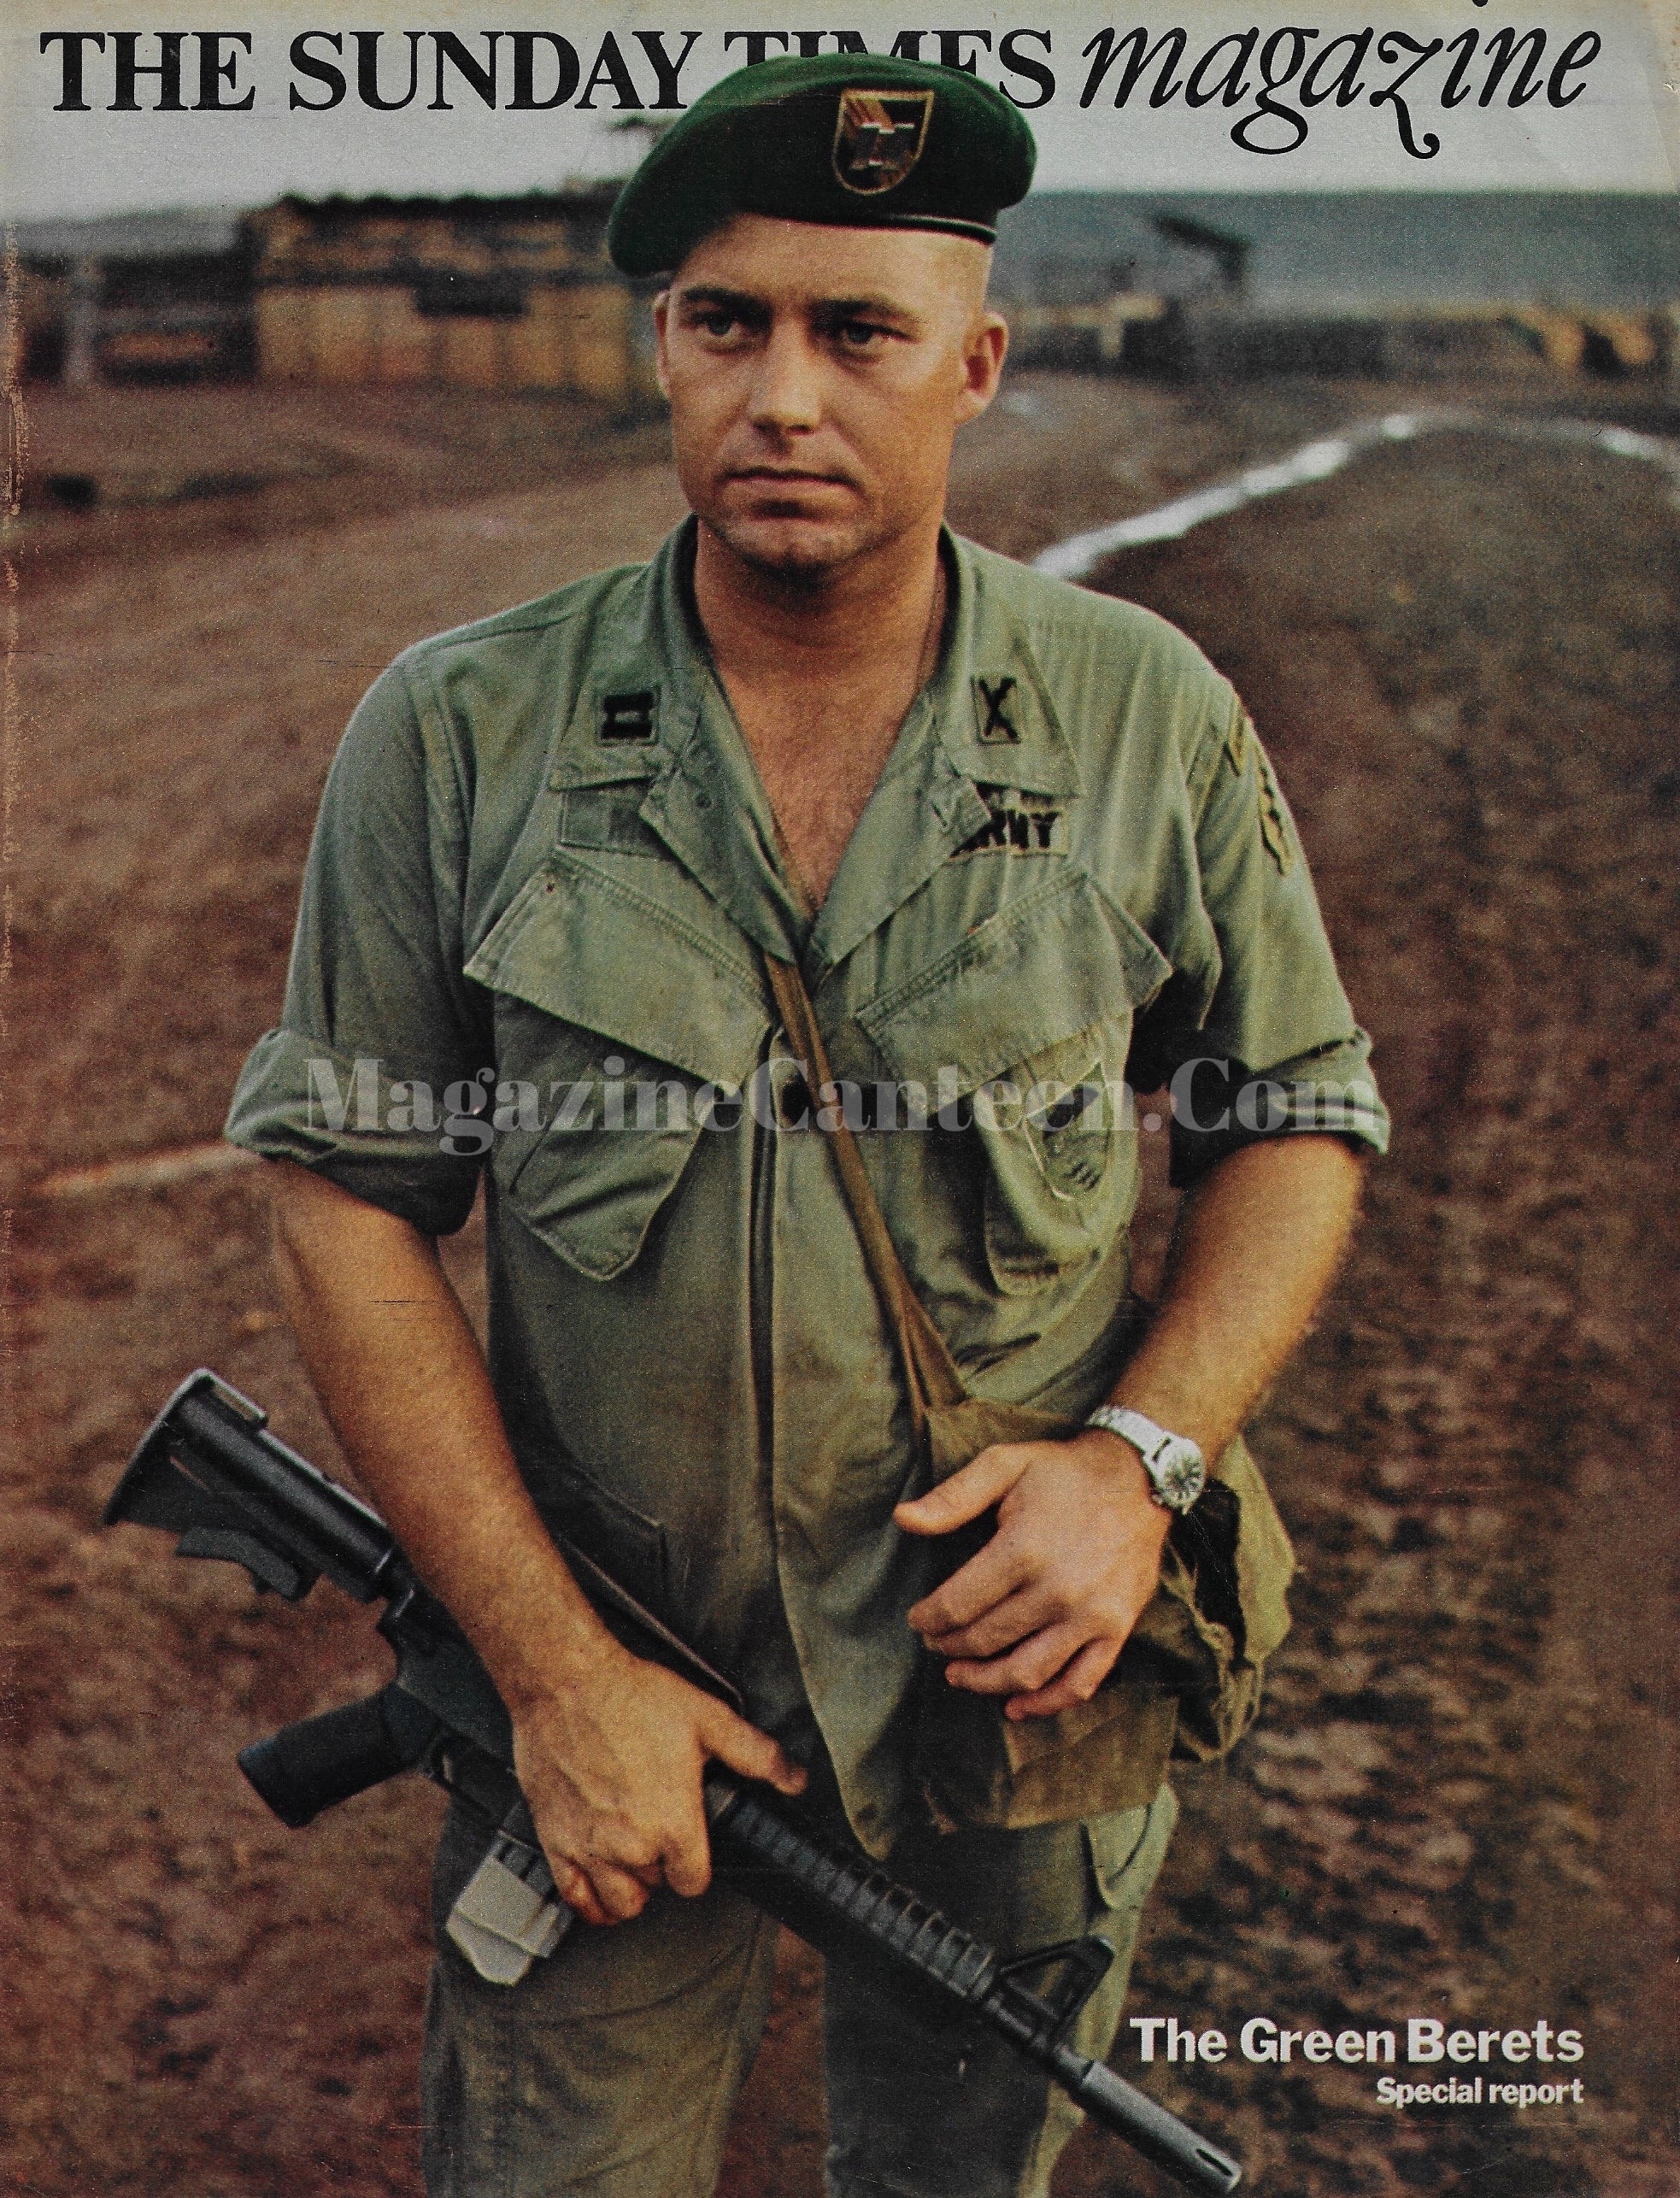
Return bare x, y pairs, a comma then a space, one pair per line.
610, 1757
1040, 1613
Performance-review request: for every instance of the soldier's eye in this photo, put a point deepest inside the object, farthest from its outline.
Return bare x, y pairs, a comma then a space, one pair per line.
720, 323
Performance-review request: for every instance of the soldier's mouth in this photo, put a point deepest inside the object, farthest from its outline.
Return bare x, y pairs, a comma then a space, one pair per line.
779, 477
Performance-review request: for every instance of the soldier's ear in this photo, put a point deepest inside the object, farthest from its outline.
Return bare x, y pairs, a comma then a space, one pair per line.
985, 350
661, 321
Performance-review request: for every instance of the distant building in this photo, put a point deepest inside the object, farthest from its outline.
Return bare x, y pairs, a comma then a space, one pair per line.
136, 297
487, 293
1323, 252
1235, 286
481, 293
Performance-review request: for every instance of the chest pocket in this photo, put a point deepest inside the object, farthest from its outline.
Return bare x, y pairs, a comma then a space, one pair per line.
1030, 1016
618, 1023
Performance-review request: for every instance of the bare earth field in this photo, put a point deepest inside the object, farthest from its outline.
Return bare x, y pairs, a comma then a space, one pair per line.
1465, 655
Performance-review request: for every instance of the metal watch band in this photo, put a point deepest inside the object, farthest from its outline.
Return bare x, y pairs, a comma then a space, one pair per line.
1178, 1472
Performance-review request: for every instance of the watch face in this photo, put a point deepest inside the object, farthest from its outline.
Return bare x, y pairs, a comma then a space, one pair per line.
1180, 1474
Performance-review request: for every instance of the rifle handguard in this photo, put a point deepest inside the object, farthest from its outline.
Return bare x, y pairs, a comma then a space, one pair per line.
817, 1885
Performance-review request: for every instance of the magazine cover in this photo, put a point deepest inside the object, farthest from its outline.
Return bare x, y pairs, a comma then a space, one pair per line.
1350, 348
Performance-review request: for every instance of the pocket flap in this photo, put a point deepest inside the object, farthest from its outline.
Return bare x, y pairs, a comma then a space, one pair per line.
1050, 965
607, 817
582, 945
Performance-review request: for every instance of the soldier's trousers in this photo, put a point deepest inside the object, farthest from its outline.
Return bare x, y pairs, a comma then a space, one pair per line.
611, 2070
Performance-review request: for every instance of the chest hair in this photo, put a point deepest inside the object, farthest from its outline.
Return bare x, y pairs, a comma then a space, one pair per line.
820, 745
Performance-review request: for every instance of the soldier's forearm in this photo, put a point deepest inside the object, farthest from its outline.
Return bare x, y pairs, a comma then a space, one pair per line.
1257, 1244
404, 1383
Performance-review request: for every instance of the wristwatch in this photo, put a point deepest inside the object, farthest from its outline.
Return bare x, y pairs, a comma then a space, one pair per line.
1178, 1472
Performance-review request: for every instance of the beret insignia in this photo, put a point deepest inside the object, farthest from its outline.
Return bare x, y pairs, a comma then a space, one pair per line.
878, 138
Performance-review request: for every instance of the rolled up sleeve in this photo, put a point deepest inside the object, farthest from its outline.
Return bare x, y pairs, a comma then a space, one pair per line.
383, 1044
1276, 1049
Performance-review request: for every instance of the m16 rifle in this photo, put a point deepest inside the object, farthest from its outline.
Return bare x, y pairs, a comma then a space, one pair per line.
210, 1471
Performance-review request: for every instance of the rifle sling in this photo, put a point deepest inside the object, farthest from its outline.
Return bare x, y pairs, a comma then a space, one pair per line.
931, 1376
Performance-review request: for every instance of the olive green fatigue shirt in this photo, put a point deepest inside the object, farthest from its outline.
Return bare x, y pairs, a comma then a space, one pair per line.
544, 861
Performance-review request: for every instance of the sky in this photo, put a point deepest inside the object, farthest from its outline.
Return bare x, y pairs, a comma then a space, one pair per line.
1609, 121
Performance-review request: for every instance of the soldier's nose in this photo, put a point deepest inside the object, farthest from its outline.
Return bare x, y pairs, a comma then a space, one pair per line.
787, 395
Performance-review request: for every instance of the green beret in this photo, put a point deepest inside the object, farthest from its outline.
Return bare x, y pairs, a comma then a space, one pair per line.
854, 140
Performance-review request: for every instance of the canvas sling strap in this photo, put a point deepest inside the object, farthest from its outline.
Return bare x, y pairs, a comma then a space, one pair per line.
931, 1375
1190, 1672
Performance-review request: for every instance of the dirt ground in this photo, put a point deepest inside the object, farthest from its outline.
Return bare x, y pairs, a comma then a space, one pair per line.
1460, 1802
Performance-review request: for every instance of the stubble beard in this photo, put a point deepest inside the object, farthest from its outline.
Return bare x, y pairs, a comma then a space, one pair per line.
807, 568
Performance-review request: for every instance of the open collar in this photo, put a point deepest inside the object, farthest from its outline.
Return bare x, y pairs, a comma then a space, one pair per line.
650, 712
655, 713
985, 719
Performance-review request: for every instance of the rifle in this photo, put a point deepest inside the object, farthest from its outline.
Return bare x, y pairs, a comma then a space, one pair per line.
209, 1471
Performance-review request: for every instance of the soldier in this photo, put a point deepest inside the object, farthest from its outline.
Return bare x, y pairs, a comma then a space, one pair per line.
780, 922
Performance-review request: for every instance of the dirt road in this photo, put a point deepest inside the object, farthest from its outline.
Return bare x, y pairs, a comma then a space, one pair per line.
1465, 657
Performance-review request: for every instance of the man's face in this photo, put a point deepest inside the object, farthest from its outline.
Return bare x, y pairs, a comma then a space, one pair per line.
816, 376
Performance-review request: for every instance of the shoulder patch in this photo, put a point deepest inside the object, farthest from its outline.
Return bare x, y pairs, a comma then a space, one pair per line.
1236, 741
1274, 818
